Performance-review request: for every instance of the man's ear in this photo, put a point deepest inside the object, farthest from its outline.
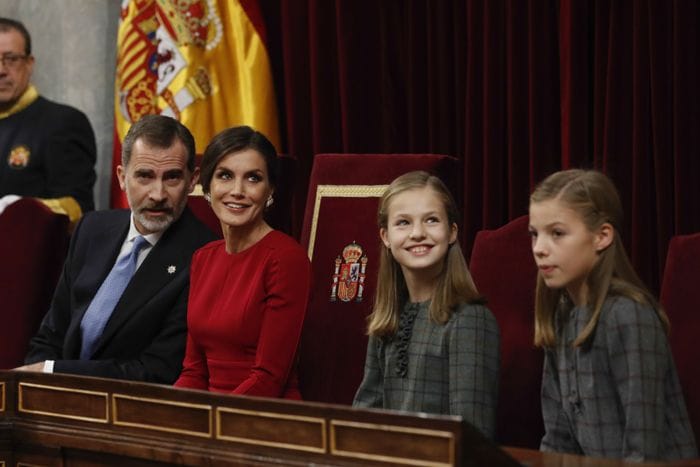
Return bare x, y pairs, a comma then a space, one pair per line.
604, 237
193, 180
121, 176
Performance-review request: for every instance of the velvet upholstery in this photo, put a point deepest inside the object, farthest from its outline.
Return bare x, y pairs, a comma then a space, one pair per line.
201, 209
504, 272
680, 297
515, 89
341, 208
33, 246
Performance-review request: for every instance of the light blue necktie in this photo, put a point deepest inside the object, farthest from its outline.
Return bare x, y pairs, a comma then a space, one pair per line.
106, 298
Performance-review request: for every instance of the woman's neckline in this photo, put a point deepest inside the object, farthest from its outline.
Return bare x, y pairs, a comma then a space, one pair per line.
249, 247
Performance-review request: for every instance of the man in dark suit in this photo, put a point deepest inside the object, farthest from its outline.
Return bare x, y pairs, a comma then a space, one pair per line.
143, 338
47, 150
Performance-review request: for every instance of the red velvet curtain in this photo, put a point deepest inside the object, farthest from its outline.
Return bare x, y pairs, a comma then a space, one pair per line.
516, 89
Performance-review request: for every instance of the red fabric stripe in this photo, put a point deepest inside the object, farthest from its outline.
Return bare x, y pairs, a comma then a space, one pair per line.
252, 10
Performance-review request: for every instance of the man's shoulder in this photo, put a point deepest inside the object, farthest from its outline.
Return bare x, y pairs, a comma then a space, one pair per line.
105, 216
189, 232
47, 105
51, 112
101, 224
103, 220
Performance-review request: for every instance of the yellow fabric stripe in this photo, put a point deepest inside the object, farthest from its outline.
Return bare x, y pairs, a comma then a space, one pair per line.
66, 205
129, 56
29, 96
133, 80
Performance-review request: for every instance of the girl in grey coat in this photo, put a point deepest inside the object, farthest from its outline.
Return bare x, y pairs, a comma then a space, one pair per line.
433, 345
610, 387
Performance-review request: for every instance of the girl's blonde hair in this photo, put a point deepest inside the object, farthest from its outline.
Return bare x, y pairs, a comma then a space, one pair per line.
594, 198
455, 284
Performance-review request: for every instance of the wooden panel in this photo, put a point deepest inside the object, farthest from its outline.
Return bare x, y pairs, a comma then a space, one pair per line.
2, 398
82, 458
150, 425
298, 433
395, 444
162, 415
63, 402
35, 456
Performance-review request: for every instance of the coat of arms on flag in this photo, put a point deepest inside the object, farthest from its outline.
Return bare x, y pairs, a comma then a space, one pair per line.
202, 62
349, 274
150, 59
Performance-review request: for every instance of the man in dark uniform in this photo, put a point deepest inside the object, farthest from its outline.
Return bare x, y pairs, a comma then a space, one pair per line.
47, 150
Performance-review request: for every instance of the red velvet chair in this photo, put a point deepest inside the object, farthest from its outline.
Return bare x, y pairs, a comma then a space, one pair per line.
201, 209
505, 273
33, 246
341, 236
680, 297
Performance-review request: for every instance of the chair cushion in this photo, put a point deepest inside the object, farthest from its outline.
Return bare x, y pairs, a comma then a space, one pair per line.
505, 273
680, 297
33, 247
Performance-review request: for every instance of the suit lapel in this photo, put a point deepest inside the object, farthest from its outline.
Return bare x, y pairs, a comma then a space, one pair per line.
100, 248
165, 263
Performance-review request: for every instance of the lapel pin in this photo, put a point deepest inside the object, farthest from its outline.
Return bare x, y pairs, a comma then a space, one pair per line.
171, 269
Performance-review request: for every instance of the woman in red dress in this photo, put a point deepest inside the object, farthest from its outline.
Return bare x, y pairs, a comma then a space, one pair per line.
249, 291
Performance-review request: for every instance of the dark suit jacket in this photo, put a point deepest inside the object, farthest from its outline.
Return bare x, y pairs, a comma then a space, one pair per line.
60, 146
144, 338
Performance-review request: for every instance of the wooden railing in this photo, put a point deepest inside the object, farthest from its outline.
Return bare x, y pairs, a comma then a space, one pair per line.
70, 420
63, 420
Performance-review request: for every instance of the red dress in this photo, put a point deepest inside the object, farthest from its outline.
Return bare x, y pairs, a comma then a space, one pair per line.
244, 317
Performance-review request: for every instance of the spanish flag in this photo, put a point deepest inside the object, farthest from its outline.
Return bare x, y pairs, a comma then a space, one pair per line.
203, 62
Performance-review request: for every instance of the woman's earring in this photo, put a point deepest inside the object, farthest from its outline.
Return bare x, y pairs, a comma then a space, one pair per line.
207, 197
269, 201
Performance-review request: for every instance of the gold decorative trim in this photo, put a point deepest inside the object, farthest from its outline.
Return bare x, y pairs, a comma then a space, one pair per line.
339, 191
276, 444
105, 395
149, 426
397, 429
2, 398
198, 190
66, 205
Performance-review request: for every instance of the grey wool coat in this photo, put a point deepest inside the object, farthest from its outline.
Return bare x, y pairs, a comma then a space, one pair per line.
618, 394
449, 368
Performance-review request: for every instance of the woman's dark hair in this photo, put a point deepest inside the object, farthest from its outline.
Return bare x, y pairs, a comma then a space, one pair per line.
232, 140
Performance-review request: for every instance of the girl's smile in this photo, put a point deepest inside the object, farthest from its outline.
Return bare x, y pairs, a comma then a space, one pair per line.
418, 232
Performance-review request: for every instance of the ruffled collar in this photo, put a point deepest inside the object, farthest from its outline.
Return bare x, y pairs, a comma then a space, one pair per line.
403, 335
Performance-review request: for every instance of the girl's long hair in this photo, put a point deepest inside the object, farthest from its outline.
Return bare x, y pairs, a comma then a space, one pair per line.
455, 284
594, 198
